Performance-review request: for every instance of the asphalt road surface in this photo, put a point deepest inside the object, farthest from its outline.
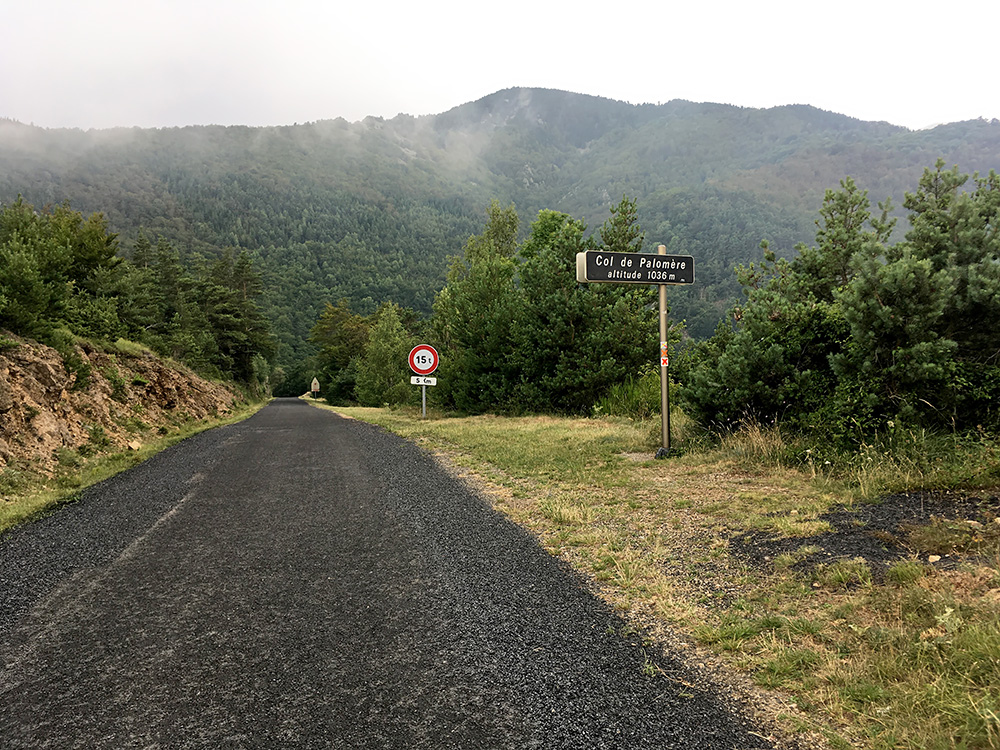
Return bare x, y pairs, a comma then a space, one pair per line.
300, 580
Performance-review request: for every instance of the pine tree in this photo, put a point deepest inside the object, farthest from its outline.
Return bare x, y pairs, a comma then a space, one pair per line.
846, 230
383, 377
340, 335
854, 335
142, 251
474, 315
925, 322
571, 341
621, 232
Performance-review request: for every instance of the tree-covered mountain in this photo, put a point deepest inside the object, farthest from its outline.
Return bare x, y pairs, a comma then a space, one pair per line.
371, 211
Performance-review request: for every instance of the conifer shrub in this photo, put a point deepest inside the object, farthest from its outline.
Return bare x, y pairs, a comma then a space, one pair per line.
856, 337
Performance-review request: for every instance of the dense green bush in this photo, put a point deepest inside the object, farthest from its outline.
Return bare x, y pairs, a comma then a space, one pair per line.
382, 374
854, 335
518, 333
637, 397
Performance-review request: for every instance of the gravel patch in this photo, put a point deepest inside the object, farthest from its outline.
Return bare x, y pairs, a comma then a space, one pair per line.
874, 532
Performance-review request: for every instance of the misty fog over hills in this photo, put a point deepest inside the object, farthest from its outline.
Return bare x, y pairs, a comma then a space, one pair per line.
372, 210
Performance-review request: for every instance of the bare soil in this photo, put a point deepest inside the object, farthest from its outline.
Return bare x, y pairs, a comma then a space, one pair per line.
886, 532
107, 401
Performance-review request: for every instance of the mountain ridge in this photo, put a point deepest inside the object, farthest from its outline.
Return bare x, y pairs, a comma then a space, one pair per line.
372, 210
488, 100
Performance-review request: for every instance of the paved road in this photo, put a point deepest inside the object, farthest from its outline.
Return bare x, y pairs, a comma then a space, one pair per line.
303, 580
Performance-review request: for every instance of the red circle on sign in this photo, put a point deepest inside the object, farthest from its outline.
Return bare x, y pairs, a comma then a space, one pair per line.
423, 359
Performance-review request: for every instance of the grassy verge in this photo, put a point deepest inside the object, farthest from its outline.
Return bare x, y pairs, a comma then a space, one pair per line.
26, 492
911, 661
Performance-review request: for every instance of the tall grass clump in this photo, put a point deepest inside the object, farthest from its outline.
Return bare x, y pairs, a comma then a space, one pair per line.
635, 398
765, 446
897, 460
906, 459
638, 399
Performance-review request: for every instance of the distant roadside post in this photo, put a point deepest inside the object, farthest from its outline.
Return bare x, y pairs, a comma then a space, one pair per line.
423, 361
643, 268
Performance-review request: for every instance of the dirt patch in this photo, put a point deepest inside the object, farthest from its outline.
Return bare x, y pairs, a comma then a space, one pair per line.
108, 400
939, 528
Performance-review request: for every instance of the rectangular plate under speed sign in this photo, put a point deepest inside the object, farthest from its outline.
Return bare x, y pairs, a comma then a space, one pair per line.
422, 380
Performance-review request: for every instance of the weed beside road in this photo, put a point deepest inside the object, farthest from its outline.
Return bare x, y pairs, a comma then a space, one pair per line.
763, 564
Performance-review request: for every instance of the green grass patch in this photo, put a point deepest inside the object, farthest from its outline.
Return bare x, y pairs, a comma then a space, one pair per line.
787, 666
541, 448
896, 461
133, 349
843, 574
905, 572
933, 686
566, 514
946, 537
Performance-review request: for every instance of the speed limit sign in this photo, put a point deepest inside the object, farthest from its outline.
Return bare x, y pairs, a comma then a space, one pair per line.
423, 359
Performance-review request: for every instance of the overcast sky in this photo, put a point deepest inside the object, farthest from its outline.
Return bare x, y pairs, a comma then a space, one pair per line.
152, 63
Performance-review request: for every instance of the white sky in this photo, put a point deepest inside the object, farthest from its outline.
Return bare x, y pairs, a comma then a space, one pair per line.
151, 63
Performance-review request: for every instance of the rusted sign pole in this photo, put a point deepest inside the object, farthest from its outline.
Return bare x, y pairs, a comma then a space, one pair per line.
643, 268
664, 369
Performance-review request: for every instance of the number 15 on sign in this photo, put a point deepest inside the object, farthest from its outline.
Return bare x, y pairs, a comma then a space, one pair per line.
423, 359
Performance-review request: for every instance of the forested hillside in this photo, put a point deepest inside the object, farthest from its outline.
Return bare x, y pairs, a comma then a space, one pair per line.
371, 211
62, 280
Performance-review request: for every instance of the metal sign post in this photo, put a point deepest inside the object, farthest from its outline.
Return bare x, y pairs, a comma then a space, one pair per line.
643, 268
664, 368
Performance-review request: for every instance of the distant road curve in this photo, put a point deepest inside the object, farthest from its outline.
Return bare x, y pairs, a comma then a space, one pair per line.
300, 580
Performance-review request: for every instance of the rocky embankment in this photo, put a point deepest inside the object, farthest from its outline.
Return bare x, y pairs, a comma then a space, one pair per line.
93, 400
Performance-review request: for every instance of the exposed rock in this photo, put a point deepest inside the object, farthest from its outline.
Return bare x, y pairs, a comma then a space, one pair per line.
6, 393
45, 409
49, 376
